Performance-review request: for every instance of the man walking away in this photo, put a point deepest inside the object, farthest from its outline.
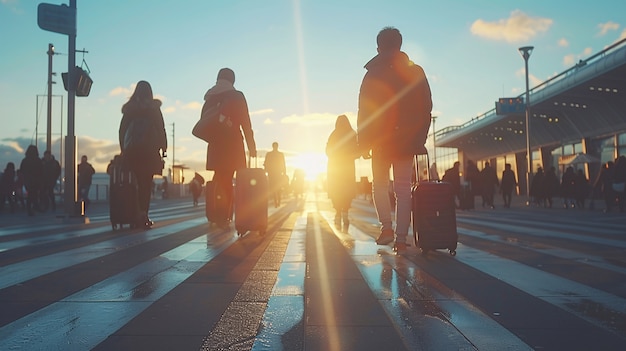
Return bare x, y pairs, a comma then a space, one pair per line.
393, 122
276, 170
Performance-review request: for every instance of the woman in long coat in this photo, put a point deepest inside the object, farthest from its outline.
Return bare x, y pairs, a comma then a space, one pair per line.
227, 154
143, 111
342, 150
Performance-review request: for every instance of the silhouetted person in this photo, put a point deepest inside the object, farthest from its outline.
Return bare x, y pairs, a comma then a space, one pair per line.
550, 187
297, 183
568, 187
507, 184
489, 183
276, 170
195, 187
472, 175
32, 171
604, 183
227, 154
620, 178
452, 175
581, 188
342, 150
537, 187
85, 176
393, 122
143, 143
51, 174
7, 187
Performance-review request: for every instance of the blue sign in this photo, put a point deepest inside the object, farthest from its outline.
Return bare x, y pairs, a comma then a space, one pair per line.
57, 18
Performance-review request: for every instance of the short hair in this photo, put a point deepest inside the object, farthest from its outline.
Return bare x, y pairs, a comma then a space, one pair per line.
389, 39
227, 74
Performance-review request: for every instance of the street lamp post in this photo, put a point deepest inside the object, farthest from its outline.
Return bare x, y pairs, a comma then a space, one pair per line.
526, 51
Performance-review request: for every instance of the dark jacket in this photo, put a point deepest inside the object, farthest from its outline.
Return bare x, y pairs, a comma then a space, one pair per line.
51, 172
508, 182
149, 158
228, 153
394, 106
32, 169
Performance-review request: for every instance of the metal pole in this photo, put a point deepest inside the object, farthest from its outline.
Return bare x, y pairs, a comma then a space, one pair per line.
70, 195
49, 129
434, 141
173, 149
526, 51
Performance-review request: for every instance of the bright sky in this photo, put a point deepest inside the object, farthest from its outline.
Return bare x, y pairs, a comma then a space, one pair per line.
299, 63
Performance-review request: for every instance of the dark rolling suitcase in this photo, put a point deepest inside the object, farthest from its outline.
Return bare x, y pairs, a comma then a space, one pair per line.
209, 203
434, 216
123, 200
251, 198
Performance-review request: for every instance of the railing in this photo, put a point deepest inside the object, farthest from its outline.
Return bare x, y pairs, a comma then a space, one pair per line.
558, 77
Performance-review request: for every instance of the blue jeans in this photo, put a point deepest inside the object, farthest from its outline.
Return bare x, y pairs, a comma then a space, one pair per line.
402, 168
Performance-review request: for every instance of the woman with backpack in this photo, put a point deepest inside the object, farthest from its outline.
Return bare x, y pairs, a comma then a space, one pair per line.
143, 142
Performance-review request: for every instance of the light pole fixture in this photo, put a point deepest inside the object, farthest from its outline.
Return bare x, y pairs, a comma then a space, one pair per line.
525, 51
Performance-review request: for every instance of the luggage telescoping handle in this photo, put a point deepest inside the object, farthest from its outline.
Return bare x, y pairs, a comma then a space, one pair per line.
256, 160
417, 173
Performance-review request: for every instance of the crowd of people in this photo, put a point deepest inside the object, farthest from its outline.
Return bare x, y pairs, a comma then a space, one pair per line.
573, 187
34, 186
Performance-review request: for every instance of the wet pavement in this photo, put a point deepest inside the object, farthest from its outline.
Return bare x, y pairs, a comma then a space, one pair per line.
523, 278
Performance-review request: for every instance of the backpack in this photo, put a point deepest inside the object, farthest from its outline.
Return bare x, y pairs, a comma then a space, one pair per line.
213, 124
140, 137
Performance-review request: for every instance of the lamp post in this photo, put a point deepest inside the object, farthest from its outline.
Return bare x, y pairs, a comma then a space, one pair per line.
525, 51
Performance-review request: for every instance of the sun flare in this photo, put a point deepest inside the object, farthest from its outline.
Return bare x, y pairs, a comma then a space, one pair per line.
313, 164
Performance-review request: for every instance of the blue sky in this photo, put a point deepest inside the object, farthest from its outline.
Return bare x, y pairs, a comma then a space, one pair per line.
299, 63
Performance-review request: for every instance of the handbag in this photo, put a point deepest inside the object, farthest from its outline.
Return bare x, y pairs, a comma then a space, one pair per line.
619, 187
213, 124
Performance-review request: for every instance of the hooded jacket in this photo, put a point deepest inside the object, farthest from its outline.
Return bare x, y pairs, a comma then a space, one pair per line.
394, 106
229, 153
150, 158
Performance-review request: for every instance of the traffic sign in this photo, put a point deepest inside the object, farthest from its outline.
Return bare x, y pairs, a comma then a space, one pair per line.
505, 106
57, 18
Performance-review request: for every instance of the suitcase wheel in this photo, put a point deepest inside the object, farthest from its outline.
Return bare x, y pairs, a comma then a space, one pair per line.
114, 226
452, 252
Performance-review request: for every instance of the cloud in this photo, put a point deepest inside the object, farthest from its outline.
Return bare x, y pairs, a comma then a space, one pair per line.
518, 27
123, 91
310, 119
563, 42
606, 27
622, 36
261, 112
533, 80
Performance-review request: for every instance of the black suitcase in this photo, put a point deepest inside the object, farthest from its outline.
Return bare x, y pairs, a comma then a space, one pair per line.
209, 203
123, 200
434, 216
251, 200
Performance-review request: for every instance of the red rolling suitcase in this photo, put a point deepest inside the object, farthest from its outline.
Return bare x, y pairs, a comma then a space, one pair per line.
251, 198
434, 215
123, 200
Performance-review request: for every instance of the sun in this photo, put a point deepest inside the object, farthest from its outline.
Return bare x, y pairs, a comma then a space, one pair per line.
312, 163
